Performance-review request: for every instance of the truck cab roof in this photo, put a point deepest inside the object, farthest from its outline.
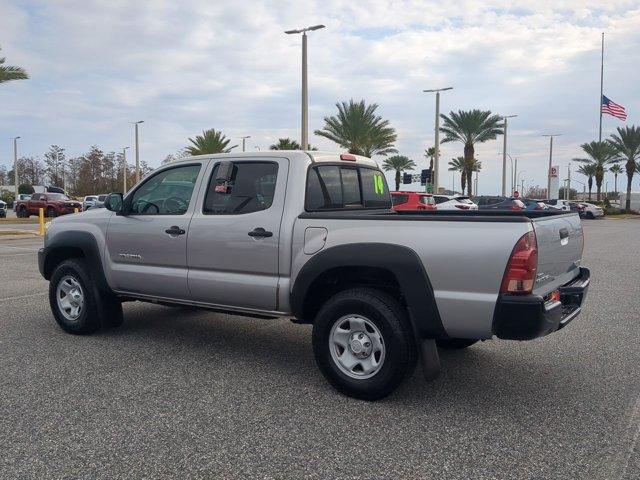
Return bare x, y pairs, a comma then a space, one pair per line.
313, 155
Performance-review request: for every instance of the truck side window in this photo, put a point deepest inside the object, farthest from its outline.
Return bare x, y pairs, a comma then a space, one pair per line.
251, 189
166, 193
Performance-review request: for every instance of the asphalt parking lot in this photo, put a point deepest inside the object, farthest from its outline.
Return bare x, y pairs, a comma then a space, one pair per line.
176, 394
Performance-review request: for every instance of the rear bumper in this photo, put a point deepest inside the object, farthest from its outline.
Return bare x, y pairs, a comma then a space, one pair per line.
530, 316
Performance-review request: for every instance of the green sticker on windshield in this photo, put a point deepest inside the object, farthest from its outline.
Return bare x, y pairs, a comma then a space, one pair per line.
378, 184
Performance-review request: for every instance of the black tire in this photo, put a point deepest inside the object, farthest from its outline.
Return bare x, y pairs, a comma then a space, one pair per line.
590, 215
455, 343
88, 320
22, 213
393, 323
50, 213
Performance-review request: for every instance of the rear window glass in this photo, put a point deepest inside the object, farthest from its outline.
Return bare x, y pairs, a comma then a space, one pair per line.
350, 188
464, 200
333, 187
441, 199
399, 199
375, 191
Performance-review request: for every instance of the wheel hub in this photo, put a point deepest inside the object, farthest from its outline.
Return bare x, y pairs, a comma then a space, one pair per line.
360, 344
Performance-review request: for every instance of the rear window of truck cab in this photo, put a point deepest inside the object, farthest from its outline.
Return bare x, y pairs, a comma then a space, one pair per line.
333, 187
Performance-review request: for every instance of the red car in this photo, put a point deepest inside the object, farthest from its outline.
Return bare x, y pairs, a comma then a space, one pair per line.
53, 204
412, 201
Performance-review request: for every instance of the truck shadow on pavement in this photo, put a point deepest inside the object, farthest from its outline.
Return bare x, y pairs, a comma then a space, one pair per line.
281, 353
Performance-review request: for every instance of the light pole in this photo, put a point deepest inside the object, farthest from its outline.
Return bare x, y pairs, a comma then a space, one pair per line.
550, 135
504, 154
15, 168
124, 170
137, 151
436, 157
518, 180
244, 139
514, 169
305, 94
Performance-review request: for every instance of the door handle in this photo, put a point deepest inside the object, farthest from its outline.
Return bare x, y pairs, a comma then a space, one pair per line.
564, 233
175, 231
260, 232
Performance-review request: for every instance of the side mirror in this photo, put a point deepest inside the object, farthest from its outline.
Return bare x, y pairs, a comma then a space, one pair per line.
223, 177
114, 202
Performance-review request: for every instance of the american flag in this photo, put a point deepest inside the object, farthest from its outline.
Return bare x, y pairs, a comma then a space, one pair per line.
613, 109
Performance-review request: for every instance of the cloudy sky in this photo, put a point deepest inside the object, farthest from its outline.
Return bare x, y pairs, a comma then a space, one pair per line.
184, 66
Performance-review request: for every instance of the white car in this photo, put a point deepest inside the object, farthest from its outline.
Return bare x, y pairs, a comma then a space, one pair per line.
559, 204
89, 201
454, 202
592, 211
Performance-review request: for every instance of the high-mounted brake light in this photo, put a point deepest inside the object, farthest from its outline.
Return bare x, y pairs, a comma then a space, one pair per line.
348, 157
520, 274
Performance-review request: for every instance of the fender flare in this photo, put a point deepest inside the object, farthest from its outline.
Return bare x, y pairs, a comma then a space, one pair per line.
404, 263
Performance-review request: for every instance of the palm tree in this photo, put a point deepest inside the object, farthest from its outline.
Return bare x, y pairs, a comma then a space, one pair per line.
472, 166
457, 165
8, 73
211, 141
358, 129
470, 127
466, 169
616, 169
430, 153
599, 154
285, 144
627, 146
588, 171
399, 163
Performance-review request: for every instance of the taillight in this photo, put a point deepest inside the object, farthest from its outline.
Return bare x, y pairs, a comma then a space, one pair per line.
462, 207
348, 157
520, 274
515, 207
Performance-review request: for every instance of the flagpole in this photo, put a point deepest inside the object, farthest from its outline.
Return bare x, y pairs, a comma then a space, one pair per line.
601, 87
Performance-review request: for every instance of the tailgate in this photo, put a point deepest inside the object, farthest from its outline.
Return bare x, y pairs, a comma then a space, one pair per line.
560, 241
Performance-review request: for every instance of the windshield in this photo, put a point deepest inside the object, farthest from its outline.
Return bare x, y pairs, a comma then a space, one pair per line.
57, 197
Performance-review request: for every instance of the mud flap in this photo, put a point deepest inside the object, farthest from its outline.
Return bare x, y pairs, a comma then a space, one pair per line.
430, 359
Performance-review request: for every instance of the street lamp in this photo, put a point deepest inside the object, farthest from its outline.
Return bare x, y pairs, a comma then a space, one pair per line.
518, 181
514, 169
504, 154
437, 135
244, 139
15, 169
305, 95
124, 168
550, 135
137, 151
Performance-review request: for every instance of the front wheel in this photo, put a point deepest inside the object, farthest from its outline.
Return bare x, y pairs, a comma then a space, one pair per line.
72, 298
50, 212
363, 343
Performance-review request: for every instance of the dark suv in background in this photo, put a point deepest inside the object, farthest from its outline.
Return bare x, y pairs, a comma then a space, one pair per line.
499, 203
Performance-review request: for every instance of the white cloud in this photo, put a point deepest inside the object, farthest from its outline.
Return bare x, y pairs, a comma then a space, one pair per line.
187, 66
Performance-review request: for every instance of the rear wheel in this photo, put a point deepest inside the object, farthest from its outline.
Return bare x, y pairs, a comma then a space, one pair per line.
50, 212
590, 215
363, 343
455, 343
22, 212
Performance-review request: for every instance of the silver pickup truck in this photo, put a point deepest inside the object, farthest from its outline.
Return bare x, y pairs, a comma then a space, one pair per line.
311, 236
